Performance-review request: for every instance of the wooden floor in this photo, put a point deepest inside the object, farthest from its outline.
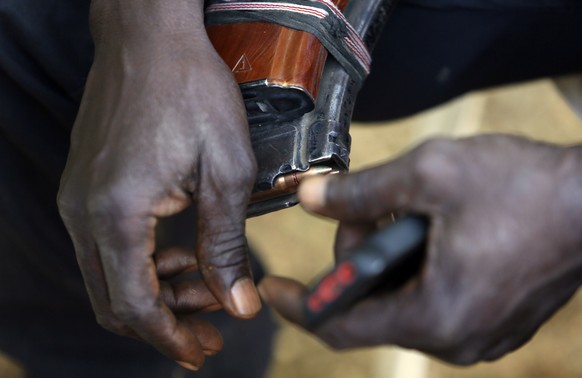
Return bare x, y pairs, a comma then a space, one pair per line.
295, 244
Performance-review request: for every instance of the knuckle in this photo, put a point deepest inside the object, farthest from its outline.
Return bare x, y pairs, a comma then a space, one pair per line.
225, 249
67, 204
129, 313
230, 182
110, 203
62, 200
432, 157
436, 165
110, 323
244, 173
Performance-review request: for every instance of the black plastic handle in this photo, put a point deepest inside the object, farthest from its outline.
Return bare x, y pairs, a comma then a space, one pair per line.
374, 263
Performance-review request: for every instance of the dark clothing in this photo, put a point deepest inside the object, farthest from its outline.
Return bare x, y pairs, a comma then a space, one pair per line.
494, 4
430, 52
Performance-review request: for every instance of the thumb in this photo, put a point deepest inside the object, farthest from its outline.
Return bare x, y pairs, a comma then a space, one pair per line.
225, 267
222, 250
364, 196
285, 296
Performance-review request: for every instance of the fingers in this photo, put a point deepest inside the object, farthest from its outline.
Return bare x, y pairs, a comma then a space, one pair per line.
183, 290
174, 261
285, 296
122, 280
373, 321
188, 297
211, 341
418, 181
367, 323
89, 261
361, 196
208, 336
126, 245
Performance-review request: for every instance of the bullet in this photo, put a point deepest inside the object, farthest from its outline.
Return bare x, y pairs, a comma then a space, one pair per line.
288, 184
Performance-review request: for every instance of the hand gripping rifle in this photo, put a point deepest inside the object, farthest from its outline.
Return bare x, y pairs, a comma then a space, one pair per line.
300, 65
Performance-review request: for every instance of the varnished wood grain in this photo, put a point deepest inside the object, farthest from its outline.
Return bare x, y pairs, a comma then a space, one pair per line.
263, 51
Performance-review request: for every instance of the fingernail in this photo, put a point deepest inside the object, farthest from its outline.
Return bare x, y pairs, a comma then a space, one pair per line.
187, 365
245, 297
208, 352
312, 193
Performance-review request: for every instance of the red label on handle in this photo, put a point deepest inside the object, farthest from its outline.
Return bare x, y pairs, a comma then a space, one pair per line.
332, 286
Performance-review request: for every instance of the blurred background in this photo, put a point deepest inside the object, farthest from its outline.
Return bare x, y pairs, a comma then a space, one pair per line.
296, 244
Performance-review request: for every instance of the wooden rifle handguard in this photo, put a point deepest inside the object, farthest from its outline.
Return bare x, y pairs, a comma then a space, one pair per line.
299, 109
278, 68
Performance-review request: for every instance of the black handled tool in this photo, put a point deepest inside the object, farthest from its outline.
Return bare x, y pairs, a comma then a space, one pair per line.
368, 266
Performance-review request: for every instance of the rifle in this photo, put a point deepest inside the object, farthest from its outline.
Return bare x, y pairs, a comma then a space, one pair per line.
299, 98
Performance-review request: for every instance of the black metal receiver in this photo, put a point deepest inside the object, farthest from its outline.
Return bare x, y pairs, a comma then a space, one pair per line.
318, 142
268, 104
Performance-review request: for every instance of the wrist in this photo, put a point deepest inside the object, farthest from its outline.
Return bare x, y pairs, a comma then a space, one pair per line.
136, 23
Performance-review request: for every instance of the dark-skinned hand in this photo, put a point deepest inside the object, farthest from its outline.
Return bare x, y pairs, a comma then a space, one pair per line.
504, 250
161, 126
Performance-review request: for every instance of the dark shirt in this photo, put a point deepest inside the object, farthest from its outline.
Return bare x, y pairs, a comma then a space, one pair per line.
495, 4
45, 54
